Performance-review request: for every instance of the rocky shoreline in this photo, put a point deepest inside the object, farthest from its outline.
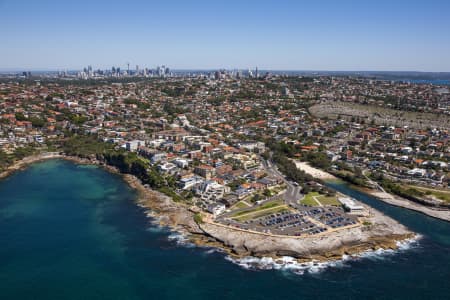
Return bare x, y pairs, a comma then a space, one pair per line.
385, 233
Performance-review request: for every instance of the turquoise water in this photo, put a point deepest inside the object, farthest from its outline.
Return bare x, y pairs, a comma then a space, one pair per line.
74, 232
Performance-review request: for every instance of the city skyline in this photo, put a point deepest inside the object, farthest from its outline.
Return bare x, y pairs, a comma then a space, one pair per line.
325, 36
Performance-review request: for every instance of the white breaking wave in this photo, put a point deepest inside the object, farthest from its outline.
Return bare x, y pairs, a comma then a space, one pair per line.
158, 229
381, 254
291, 264
176, 234
214, 250
409, 243
180, 239
286, 263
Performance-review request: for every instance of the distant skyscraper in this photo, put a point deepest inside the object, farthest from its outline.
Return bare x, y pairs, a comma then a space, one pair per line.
256, 72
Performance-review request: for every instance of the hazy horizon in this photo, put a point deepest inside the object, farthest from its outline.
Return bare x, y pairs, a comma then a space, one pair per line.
124, 67
323, 35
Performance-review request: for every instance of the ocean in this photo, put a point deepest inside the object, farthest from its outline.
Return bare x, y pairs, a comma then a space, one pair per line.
74, 232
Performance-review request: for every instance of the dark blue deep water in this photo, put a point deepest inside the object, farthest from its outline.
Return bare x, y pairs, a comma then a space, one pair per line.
74, 232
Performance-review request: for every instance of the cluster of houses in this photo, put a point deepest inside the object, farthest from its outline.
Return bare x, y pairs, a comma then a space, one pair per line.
217, 174
207, 133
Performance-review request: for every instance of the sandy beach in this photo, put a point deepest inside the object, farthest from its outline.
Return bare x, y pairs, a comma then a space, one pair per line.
316, 173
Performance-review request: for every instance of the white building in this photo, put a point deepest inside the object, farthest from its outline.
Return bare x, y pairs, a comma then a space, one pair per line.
181, 163
188, 183
216, 209
211, 191
133, 145
157, 157
167, 168
183, 121
351, 206
156, 143
416, 172
252, 146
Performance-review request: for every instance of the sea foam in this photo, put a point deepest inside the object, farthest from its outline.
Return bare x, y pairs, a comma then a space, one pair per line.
180, 239
287, 263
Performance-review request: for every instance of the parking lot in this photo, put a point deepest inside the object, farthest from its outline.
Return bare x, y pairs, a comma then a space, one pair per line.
304, 220
333, 217
290, 224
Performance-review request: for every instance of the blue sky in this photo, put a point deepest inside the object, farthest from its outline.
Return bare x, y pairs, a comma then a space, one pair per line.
394, 35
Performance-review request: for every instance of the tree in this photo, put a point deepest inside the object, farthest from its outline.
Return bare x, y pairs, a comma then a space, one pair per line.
20, 117
256, 198
37, 122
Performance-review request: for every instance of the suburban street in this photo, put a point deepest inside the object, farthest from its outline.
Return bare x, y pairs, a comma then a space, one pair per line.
293, 191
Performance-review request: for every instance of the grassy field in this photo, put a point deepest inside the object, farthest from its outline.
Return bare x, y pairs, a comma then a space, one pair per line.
315, 199
258, 213
439, 194
240, 205
329, 201
309, 199
270, 204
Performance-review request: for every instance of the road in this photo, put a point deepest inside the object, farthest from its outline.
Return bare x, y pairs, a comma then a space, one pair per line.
293, 191
291, 196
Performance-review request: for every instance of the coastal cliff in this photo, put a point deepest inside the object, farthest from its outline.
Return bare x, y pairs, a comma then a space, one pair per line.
332, 245
383, 232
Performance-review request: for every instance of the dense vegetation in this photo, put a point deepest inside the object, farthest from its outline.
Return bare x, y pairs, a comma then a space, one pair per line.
126, 162
281, 154
317, 159
85, 146
356, 180
289, 169
7, 160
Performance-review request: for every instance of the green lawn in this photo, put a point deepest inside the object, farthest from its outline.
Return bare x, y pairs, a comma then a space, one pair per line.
309, 200
240, 205
271, 204
439, 194
324, 200
259, 214
442, 196
329, 201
